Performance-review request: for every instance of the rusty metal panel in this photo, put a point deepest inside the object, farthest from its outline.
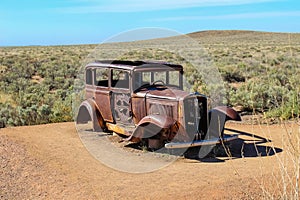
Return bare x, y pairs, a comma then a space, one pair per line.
138, 108
103, 99
121, 108
89, 91
165, 93
162, 107
230, 113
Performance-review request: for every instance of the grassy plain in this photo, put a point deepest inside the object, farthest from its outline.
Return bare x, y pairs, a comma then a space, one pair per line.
260, 72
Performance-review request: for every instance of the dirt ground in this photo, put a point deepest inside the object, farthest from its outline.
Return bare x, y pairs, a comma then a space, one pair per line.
50, 162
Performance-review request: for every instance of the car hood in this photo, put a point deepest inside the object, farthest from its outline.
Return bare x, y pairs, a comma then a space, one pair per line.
162, 92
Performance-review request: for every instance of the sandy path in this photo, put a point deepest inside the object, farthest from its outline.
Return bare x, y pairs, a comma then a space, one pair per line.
49, 161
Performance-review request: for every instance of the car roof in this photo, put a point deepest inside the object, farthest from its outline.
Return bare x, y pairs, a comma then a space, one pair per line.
134, 65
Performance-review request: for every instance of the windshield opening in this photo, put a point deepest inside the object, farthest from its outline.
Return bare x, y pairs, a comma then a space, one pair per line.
168, 78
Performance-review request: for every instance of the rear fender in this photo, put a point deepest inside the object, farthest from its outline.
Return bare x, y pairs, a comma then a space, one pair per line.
88, 110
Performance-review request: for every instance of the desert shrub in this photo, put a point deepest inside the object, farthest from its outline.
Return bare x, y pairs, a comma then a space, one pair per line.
261, 76
274, 94
62, 110
42, 100
288, 109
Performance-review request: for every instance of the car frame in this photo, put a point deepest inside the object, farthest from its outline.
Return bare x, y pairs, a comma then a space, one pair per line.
144, 101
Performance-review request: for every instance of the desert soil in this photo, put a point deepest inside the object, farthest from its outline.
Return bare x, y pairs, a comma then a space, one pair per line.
50, 162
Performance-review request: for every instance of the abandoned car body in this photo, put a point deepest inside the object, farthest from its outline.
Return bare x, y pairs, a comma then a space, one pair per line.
145, 101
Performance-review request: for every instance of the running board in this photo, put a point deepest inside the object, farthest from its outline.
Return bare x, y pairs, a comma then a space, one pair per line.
177, 145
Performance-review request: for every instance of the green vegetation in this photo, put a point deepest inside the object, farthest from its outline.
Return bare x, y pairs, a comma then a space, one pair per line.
36, 83
261, 73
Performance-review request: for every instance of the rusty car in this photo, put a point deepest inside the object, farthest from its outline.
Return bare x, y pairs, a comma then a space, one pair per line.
144, 101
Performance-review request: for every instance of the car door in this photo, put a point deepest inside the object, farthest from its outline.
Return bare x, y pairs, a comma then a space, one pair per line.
121, 96
102, 93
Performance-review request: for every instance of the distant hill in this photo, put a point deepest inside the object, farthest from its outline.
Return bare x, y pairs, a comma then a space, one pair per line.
241, 36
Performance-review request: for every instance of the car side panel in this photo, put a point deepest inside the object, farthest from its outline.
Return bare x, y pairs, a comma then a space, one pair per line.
138, 109
102, 97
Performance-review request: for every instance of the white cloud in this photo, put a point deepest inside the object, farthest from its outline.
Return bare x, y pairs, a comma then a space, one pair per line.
150, 5
233, 16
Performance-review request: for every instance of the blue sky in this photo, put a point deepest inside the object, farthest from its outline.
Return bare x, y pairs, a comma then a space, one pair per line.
58, 22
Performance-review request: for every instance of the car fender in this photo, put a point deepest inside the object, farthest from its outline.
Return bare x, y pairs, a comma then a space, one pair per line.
155, 123
229, 113
217, 119
88, 110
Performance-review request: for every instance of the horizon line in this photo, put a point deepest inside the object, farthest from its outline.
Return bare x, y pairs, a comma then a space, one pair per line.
81, 44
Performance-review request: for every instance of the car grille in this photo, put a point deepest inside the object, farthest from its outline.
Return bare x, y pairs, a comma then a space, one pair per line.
195, 110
